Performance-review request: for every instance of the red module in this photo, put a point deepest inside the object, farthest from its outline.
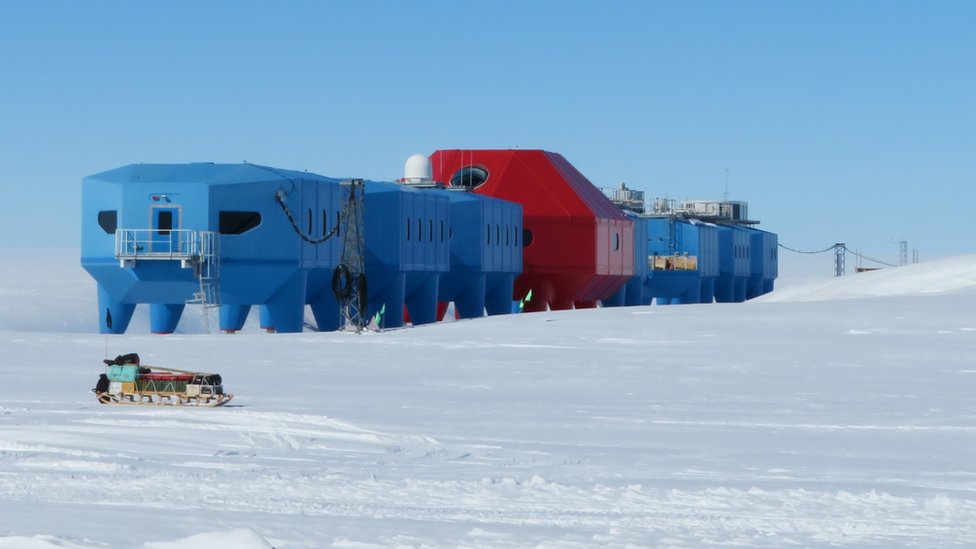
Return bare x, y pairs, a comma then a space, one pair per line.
578, 247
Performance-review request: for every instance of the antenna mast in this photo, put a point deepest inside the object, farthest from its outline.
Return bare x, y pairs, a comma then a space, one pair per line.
726, 185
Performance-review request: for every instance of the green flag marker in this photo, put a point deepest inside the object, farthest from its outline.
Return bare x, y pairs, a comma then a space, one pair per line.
526, 299
379, 314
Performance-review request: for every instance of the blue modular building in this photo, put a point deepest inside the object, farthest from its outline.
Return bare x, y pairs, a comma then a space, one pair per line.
632, 293
407, 251
485, 253
735, 259
698, 251
764, 261
233, 235
709, 250
684, 258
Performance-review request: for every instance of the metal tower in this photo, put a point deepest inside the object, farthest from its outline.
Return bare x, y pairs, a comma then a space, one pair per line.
349, 278
839, 250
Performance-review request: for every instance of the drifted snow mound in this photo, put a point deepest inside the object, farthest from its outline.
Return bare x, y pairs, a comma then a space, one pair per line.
941, 276
239, 538
38, 542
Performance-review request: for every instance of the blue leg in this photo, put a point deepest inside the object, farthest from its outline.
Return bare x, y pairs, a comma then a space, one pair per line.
164, 317
232, 317
286, 308
113, 317
325, 309
498, 294
470, 303
390, 297
423, 302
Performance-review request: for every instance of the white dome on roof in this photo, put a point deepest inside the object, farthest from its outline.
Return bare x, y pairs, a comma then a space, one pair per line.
417, 169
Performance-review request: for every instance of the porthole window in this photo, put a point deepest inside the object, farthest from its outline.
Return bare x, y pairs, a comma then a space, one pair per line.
498, 235
310, 221
408, 228
469, 177
526, 238
108, 220
616, 241
325, 223
430, 227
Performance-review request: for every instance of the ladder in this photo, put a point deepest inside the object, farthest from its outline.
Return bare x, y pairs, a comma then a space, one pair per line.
206, 268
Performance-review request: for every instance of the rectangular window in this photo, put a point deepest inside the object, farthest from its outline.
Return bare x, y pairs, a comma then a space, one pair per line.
165, 222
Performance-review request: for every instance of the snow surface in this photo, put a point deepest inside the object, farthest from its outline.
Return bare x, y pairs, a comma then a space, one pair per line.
831, 413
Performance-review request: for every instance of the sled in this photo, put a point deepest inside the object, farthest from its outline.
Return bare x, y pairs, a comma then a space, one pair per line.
129, 383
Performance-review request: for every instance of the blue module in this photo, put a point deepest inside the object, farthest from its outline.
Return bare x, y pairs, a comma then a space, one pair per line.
234, 234
632, 293
764, 262
407, 250
485, 254
735, 253
684, 260
709, 250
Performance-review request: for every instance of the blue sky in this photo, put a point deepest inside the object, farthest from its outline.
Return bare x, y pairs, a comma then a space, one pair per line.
849, 121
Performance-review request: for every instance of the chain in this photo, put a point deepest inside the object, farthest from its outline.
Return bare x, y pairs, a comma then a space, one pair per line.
279, 197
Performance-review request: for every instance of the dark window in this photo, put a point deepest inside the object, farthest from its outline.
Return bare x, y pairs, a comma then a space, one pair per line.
508, 233
488, 234
616, 241
526, 238
165, 222
238, 222
108, 220
442, 230
430, 225
469, 176
516, 231
420, 230
310, 222
325, 223
408, 228
498, 234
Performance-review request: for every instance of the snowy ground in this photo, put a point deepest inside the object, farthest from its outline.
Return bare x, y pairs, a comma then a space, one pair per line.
832, 413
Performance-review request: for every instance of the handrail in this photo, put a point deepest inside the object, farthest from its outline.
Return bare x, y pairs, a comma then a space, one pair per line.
163, 244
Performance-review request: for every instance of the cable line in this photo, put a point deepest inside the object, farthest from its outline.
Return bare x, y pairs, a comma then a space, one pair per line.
827, 249
862, 256
836, 246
